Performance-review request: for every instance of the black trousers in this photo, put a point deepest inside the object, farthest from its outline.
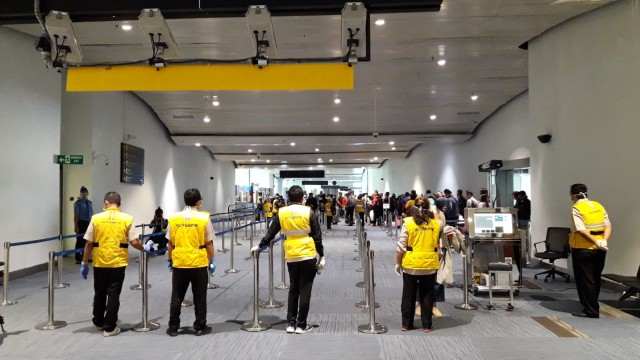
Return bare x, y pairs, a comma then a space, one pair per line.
424, 286
198, 278
361, 214
107, 285
587, 270
349, 215
301, 275
83, 225
329, 222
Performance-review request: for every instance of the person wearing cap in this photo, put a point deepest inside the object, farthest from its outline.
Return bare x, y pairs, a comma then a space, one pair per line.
302, 244
110, 233
82, 213
191, 254
589, 241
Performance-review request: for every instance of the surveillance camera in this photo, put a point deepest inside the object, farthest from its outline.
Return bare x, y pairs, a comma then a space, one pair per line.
106, 163
258, 155
375, 134
545, 138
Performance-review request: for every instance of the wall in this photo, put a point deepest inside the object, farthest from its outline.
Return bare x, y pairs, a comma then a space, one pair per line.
30, 136
584, 84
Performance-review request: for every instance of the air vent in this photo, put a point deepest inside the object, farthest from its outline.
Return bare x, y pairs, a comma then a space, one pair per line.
468, 113
183, 117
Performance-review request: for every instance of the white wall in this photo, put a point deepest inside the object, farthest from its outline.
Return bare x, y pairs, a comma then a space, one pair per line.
585, 91
30, 136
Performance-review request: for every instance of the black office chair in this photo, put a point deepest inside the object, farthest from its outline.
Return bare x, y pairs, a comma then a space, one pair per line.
557, 247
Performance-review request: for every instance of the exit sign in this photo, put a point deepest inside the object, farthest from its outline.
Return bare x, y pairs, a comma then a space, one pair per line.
70, 159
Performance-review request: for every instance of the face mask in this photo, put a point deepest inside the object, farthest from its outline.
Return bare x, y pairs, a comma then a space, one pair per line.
431, 202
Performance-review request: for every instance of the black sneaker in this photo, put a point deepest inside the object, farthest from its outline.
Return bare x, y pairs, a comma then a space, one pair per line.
172, 332
204, 331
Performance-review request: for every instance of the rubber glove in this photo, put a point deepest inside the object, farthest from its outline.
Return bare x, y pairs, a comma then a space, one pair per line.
321, 263
84, 270
254, 248
170, 265
398, 270
148, 246
602, 245
212, 266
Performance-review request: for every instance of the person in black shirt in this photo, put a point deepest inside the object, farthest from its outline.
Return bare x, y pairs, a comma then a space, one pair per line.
523, 205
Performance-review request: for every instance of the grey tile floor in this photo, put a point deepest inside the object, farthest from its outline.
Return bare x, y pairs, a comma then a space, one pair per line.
479, 334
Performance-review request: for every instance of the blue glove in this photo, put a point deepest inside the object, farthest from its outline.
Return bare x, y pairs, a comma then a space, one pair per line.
84, 271
212, 266
170, 265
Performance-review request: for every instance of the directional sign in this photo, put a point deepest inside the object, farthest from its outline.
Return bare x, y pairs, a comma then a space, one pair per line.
70, 159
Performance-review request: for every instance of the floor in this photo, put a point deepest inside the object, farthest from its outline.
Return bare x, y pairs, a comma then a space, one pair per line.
540, 327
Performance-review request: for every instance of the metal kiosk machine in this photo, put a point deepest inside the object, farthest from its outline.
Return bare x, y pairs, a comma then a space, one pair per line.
489, 230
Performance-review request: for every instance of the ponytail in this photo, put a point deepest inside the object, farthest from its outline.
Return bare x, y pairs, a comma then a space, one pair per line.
421, 215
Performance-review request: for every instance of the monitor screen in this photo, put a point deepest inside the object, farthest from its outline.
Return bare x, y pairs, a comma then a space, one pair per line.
493, 223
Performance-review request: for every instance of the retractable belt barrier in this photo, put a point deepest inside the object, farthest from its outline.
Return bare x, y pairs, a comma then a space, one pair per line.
372, 327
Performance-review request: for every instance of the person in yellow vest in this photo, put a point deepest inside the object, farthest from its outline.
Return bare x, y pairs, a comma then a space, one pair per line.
110, 233
268, 208
191, 254
590, 232
417, 261
302, 244
360, 208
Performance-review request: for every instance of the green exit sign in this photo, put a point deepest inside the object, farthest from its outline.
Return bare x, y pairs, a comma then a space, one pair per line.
70, 159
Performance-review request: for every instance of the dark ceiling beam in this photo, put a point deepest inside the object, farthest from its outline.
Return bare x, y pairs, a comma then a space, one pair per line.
22, 11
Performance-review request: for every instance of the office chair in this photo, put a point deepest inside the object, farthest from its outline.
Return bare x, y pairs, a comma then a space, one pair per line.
557, 247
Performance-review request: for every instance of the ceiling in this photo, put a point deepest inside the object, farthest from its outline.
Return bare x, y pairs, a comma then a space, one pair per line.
394, 94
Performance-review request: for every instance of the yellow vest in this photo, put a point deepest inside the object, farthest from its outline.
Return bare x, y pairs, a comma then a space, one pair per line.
360, 205
421, 245
110, 243
188, 239
267, 209
593, 215
327, 207
275, 206
296, 226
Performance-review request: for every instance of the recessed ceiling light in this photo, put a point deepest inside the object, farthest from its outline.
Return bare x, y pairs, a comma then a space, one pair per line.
198, 144
393, 148
268, 161
126, 27
206, 119
319, 159
375, 158
474, 97
380, 22
310, 168
253, 160
336, 119
317, 149
330, 160
249, 150
433, 117
216, 103
441, 62
391, 142
293, 144
337, 101
433, 92
371, 160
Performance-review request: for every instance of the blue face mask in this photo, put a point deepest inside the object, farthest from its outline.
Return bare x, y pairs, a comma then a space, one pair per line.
432, 202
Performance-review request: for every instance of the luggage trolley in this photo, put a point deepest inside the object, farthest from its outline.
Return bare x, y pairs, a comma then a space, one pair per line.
489, 230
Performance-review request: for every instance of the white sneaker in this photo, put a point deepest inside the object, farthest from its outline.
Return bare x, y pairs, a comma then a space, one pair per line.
115, 332
291, 329
436, 312
306, 329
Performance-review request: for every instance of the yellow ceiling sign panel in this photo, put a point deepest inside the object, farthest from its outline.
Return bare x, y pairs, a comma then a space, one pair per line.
336, 76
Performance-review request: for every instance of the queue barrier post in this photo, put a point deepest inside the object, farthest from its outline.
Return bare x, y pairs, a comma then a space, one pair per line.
141, 259
255, 325
5, 277
51, 324
210, 285
145, 325
396, 226
234, 238
364, 304
283, 267
465, 295
60, 284
362, 241
372, 327
224, 227
272, 303
246, 226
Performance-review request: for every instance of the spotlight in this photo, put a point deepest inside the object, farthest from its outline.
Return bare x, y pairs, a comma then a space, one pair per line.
380, 22
198, 144
126, 27
442, 62
474, 97
206, 119
337, 101
433, 117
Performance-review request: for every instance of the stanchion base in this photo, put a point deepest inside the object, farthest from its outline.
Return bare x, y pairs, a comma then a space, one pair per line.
372, 329
139, 287
223, 250
186, 303
238, 244
211, 286
54, 325
357, 258
359, 270
231, 271
363, 305
282, 287
150, 326
356, 250
361, 284
271, 304
61, 286
466, 307
8, 302
255, 327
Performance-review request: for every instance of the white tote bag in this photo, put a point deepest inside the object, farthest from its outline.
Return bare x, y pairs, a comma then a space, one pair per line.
445, 272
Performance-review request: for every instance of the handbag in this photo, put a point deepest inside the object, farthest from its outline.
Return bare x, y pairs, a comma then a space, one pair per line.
445, 272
